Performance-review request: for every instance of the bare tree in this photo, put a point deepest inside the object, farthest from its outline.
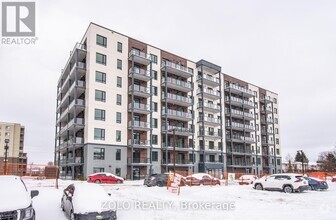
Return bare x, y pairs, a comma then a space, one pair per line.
289, 160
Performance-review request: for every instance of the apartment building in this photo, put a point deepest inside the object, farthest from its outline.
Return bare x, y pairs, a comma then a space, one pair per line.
129, 108
12, 137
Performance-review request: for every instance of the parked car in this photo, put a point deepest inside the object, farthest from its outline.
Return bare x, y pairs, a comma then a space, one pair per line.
105, 178
86, 201
287, 182
192, 181
247, 179
156, 179
316, 184
16, 200
206, 179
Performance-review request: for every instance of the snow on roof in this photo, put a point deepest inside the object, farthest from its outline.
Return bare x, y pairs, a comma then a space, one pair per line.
200, 175
107, 174
89, 197
14, 192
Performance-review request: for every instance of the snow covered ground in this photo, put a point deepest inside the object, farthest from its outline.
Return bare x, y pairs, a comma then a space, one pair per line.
135, 201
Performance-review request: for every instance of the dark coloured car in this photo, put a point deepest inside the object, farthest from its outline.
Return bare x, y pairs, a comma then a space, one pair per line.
16, 201
316, 184
156, 179
87, 201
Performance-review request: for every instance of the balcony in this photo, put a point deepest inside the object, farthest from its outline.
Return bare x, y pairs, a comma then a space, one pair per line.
239, 114
178, 130
209, 121
268, 121
138, 161
208, 93
177, 84
208, 80
139, 91
176, 69
239, 126
139, 108
139, 125
239, 102
267, 143
70, 126
232, 88
80, 106
140, 74
178, 147
266, 99
177, 99
209, 107
240, 152
139, 57
210, 149
75, 160
178, 162
240, 164
139, 143
239, 139
70, 143
266, 131
209, 134
266, 110
177, 115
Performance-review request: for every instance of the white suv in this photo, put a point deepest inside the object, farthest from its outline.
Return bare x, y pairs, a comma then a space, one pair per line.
287, 182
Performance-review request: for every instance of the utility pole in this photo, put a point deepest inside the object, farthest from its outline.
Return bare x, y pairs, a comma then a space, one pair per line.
6, 150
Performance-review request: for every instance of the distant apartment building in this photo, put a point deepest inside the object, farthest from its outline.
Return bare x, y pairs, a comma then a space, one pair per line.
13, 134
123, 106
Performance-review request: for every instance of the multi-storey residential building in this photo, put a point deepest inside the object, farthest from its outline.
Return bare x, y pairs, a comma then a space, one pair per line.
126, 107
12, 135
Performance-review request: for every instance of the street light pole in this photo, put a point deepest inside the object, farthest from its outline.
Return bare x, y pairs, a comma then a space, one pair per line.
6, 149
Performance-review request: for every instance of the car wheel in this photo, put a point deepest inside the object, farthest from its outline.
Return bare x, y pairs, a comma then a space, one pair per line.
62, 206
288, 189
97, 181
258, 187
159, 184
118, 181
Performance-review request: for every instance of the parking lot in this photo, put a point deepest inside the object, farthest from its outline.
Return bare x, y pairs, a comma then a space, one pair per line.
135, 201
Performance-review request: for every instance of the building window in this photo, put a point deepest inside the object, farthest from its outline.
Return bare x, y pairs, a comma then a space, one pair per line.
154, 106
119, 47
118, 99
219, 145
154, 90
276, 131
154, 74
118, 120
155, 156
154, 123
118, 154
278, 151
154, 58
100, 77
119, 82
211, 145
100, 114
98, 153
118, 172
98, 169
211, 158
276, 120
118, 136
99, 134
100, 96
101, 41
101, 58
278, 162
119, 64
154, 139
275, 100
275, 110
277, 140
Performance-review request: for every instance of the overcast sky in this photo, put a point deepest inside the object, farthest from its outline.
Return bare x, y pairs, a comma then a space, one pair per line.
286, 46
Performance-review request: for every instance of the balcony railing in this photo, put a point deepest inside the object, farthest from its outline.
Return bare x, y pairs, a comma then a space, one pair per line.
208, 91
177, 129
139, 54
209, 119
239, 125
139, 106
178, 98
176, 67
177, 113
234, 99
241, 138
139, 124
209, 133
268, 131
266, 99
139, 142
269, 120
210, 78
141, 72
267, 109
140, 89
239, 88
237, 112
177, 161
209, 105
177, 82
